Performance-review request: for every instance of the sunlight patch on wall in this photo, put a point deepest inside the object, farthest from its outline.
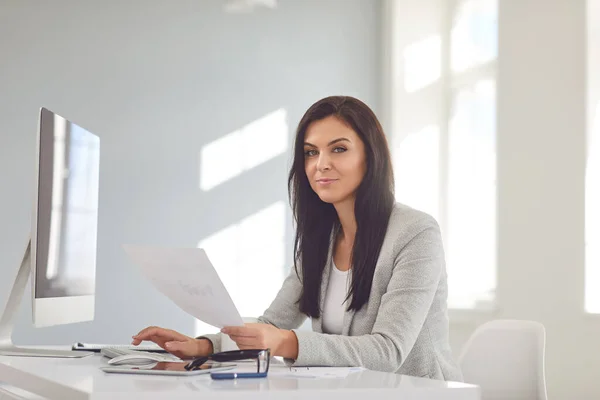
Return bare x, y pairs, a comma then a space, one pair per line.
471, 198
422, 63
592, 219
249, 257
416, 170
243, 149
474, 36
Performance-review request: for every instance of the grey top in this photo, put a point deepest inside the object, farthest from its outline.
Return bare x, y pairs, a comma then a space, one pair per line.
404, 326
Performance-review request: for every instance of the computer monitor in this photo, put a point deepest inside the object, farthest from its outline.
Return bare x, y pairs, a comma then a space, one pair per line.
61, 254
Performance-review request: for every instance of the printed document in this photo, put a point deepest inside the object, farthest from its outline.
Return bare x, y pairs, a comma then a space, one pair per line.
188, 278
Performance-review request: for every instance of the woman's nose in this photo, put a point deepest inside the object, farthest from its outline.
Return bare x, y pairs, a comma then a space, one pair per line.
323, 163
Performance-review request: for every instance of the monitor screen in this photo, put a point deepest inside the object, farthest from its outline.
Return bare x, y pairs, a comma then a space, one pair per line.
67, 209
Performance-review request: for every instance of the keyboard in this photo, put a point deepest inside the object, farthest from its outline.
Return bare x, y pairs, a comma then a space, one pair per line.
154, 348
114, 352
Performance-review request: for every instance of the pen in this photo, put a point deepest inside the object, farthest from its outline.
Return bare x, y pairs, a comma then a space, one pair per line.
236, 375
224, 376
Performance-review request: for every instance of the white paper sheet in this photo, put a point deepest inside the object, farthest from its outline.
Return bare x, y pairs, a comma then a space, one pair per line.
188, 278
315, 372
281, 371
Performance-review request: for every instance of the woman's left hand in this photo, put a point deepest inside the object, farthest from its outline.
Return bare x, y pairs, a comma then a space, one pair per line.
258, 336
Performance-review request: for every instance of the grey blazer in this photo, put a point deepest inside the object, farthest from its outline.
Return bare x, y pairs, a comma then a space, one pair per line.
404, 326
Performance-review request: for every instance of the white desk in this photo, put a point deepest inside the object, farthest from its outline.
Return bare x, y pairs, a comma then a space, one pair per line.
74, 379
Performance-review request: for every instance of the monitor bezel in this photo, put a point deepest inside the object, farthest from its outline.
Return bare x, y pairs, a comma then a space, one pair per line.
52, 311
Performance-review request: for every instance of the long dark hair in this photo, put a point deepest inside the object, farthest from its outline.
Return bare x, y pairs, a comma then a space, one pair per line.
316, 220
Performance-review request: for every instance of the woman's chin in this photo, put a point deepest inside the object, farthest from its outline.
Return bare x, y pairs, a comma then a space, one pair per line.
332, 198
328, 198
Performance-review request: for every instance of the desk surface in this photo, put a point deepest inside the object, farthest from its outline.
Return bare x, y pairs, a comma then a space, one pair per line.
82, 379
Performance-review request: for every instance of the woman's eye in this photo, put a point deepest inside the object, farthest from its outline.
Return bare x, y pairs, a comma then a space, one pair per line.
339, 150
309, 153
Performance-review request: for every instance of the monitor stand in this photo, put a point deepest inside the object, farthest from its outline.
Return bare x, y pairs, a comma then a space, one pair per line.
7, 320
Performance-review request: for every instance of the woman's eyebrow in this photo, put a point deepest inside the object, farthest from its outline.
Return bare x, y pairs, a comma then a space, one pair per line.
334, 141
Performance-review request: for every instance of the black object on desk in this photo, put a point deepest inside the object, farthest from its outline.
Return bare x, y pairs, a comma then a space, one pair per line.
262, 357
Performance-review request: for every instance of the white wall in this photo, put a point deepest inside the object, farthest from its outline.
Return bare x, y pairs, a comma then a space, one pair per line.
593, 62
410, 22
592, 227
541, 130
593, 160
541, 169
158, 80
541, 165
413, 96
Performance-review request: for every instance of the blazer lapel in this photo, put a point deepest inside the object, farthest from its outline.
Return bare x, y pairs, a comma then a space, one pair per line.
324, 284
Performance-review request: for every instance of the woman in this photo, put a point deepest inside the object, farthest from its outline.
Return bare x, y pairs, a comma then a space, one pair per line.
369, 272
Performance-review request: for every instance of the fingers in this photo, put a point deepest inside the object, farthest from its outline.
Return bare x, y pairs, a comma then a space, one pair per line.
182, 349
243, 340
135, 341
156, 331
146, 334
239, 331
251, 346
172, 341
159, 340
247, 347
158, 335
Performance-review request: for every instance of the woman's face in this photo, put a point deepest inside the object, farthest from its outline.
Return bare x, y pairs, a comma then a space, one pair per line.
334, 159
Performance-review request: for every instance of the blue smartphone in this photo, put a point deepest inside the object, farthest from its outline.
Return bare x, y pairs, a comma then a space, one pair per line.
237, 375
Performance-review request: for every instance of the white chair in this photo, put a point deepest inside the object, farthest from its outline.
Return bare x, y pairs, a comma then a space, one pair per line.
506, 359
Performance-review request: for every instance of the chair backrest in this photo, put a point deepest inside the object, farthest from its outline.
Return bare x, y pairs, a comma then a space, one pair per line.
506, 358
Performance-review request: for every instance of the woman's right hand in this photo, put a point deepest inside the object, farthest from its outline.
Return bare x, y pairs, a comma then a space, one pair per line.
176, 343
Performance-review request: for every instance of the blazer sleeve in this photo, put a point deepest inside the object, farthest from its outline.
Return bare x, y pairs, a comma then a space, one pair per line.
404, 307
283, 312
